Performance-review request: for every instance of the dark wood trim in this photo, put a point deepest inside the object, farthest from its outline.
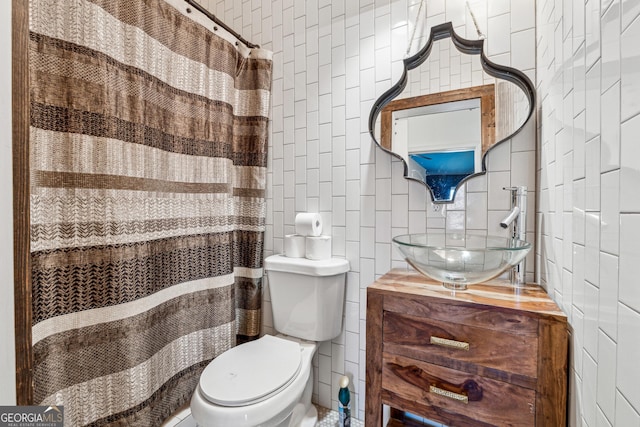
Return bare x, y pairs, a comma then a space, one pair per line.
551, 398
21, 238
486, 93
373, 394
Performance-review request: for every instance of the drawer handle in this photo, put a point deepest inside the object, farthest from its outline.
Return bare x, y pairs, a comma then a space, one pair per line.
451, 395
460, 345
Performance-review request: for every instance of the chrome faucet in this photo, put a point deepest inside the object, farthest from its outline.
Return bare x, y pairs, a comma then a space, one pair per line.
517, 216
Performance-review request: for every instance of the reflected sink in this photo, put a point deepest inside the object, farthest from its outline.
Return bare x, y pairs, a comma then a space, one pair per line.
458, 260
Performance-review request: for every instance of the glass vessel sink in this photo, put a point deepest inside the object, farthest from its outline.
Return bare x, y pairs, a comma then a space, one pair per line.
458, 260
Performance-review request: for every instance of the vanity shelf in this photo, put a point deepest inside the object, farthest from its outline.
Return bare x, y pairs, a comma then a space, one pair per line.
492, 355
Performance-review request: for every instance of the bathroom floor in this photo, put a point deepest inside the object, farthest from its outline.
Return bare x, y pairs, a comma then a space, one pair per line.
326, 418
329, 418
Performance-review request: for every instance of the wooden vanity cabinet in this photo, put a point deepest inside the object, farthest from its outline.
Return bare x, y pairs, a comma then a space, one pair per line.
492, 355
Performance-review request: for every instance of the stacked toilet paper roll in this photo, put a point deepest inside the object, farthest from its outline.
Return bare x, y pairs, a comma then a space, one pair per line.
308, 241
294, 246
308, 224
318, 247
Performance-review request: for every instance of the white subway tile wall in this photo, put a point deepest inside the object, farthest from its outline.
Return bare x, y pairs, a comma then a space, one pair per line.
588, 65
332, 60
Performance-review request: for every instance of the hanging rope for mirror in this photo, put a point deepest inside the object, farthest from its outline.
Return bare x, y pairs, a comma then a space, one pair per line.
212, 17
415, 26
481, 35
435, 206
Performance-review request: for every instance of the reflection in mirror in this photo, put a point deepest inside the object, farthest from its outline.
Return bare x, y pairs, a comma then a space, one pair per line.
455, 105
442, 136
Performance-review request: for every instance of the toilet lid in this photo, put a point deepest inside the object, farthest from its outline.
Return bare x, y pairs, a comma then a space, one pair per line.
251, 372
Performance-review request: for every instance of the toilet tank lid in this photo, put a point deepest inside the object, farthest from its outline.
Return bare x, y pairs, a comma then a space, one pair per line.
309, 267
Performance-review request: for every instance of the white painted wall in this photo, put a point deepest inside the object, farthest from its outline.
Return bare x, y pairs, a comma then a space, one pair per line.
441, 132
332, 59
7, 331
588, 65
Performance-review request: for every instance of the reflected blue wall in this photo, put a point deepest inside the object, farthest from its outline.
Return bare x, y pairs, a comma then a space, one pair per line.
444, 170
443, 186
446, 163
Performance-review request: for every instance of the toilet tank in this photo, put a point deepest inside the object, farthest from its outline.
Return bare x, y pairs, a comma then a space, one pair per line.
307, 296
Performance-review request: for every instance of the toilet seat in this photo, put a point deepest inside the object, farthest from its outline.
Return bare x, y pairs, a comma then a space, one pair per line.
251, 372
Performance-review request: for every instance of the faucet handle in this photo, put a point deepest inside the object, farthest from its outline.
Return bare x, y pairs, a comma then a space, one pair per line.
520, 189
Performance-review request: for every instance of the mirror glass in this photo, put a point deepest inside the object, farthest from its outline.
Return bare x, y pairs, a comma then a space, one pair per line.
450, 107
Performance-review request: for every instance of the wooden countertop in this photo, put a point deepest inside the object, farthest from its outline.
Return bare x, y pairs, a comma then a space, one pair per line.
531, 298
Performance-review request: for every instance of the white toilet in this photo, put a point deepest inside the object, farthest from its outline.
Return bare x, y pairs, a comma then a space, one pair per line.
268, 382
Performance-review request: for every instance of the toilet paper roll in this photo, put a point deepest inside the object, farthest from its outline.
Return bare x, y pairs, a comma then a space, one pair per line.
318, 247
294, 246
308, 224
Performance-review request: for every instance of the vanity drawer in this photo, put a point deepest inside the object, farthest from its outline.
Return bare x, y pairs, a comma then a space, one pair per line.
497, 354
453, 397
463, 313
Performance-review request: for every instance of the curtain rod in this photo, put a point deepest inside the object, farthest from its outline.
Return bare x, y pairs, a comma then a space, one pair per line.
218, 22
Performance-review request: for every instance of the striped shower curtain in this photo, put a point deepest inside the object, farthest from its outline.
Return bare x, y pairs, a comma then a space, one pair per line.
148, 168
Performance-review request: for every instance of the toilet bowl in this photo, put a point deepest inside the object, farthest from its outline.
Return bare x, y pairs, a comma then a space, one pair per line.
256, 384
268, 382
